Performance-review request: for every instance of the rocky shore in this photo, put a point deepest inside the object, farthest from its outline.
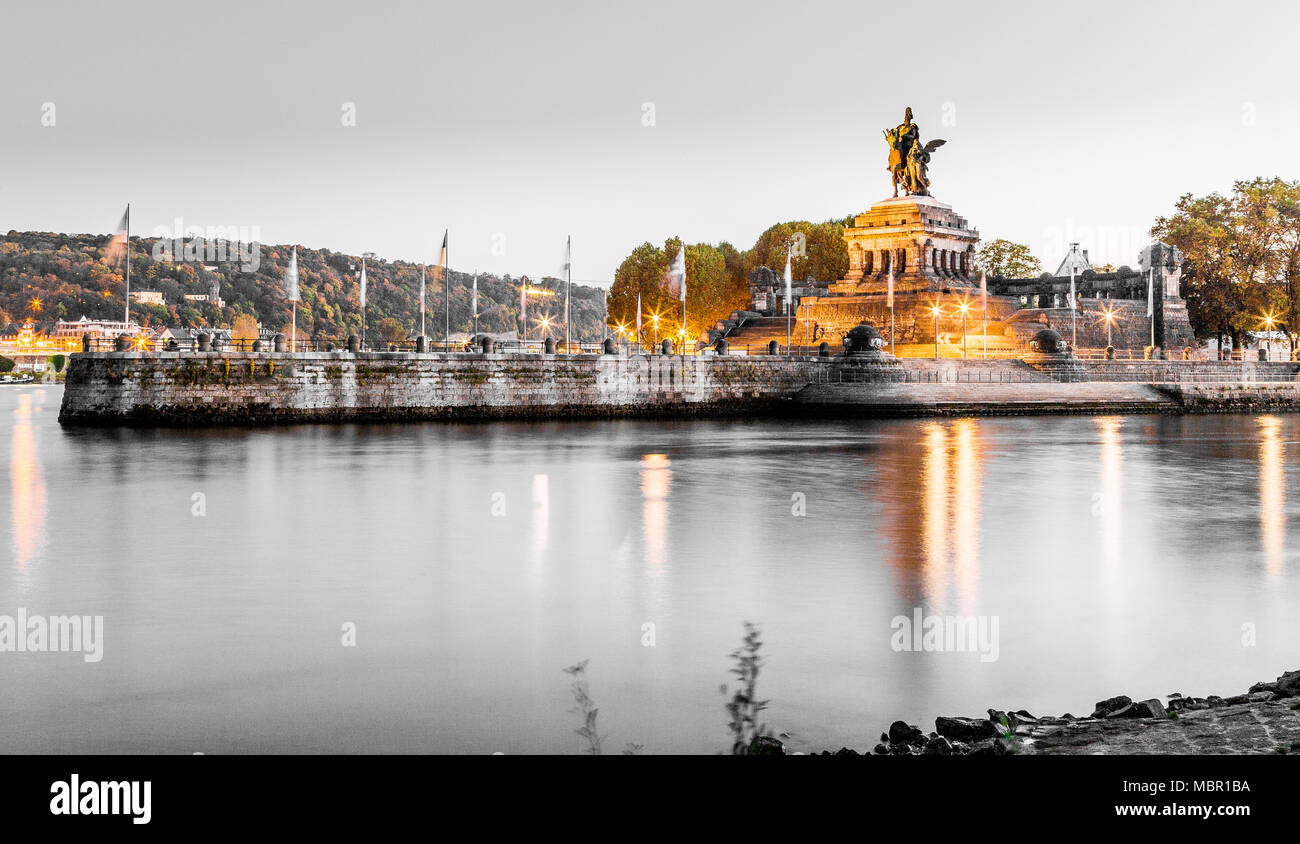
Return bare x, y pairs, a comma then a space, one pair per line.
1264, 719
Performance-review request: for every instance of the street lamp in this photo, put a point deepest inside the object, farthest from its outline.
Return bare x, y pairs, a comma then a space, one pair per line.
936, 310
964, 307
1269, 320
1108, 314
655, 319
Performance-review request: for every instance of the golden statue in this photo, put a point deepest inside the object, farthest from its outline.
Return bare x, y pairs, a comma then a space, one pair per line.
908, 159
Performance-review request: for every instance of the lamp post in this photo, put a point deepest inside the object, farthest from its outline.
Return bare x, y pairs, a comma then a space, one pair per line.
655, 319
936, 309
964, 308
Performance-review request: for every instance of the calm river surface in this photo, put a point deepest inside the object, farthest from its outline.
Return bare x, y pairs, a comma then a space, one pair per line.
1118, 555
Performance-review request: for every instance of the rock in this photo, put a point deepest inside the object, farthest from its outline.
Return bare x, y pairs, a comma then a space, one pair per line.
990, 747
1288, 684
1263, 687
1235, 699
1067, 717
881, 750
1260, 697
1023, 715
965, 729
1150, 709
1129, 711
1109, 705
997, 715
846, 751
1215, 700
901, 732
766, 746
938, 746
884, 736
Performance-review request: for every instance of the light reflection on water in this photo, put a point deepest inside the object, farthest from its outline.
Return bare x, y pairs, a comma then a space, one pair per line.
1121, 555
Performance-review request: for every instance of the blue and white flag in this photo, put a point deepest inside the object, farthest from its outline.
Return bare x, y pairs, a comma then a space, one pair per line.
789, 282
363, 284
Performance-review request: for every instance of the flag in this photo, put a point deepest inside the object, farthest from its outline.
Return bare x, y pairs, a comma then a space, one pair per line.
984, 293
473, 308
1072, 288
291, 277
422, 291
442, 256
789, 292
565, 268
890, 287
638, 316
363, 284
679, 269
1151, 291
523, 304
117, 243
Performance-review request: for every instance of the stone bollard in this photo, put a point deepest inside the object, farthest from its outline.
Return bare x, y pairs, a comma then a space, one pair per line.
721, 346
120, 344
666, 347
85, 342
1110, 353
354, 343
773, 348
421, 344
610, 347
279, 343
548, 348
329, 347
486, 344
824, 350
257, 345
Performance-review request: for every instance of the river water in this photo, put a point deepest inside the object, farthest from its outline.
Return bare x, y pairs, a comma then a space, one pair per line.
419, 588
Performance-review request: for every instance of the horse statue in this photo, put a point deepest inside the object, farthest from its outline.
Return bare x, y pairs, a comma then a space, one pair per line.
897, 159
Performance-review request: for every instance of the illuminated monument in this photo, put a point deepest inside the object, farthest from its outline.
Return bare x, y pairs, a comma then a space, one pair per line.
927, 248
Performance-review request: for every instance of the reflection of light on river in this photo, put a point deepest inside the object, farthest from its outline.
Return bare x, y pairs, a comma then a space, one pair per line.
1112, 486
1272, 493
966, 515
934, 516
541, 517
27, 486
655, 481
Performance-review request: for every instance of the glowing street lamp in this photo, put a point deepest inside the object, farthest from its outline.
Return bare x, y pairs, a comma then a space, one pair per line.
964, 307
655, 319
1270, 319
936, 310
1108, 314
35, 303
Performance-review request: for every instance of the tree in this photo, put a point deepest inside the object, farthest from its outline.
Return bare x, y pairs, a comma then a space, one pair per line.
1007, 259
1242, 256
57, 361
244, 328
392, 330
712, 291
815, 249
6, 364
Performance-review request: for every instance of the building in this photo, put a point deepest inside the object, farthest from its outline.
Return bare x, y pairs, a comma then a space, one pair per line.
148, 297
205, 298
1075, 262
96, 328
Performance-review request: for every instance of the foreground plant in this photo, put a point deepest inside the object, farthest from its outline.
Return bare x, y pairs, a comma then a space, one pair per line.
586, 708
744, 707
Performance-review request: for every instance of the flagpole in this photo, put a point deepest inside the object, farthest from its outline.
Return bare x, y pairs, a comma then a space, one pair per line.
787, 300
984, 306
127, 320
446, 292
422, 275
1074, 313
475, 303
568, 294
363, 303
293, 329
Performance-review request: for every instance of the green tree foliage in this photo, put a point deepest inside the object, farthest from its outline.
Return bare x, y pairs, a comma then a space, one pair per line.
58, 362
816, 249
1243, 256
6, 364
1007, 259
712, 289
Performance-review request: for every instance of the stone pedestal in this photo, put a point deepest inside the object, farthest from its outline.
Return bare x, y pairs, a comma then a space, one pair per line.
926, 245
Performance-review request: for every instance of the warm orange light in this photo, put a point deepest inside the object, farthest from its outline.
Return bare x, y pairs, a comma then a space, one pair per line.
35, 303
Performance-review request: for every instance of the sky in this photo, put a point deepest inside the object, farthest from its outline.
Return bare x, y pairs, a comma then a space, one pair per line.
375, 126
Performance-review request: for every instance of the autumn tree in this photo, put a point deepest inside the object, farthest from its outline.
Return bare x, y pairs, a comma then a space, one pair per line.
392, 330
1007, 259
815, 249
1242, 256
244, 327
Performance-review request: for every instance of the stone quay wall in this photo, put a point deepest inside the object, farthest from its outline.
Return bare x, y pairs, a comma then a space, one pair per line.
260, 387
185, 388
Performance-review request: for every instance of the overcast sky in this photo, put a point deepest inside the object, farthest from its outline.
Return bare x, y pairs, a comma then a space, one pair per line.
516, 124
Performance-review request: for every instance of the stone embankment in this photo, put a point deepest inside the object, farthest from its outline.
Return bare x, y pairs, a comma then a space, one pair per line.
1264, 719
188, 388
